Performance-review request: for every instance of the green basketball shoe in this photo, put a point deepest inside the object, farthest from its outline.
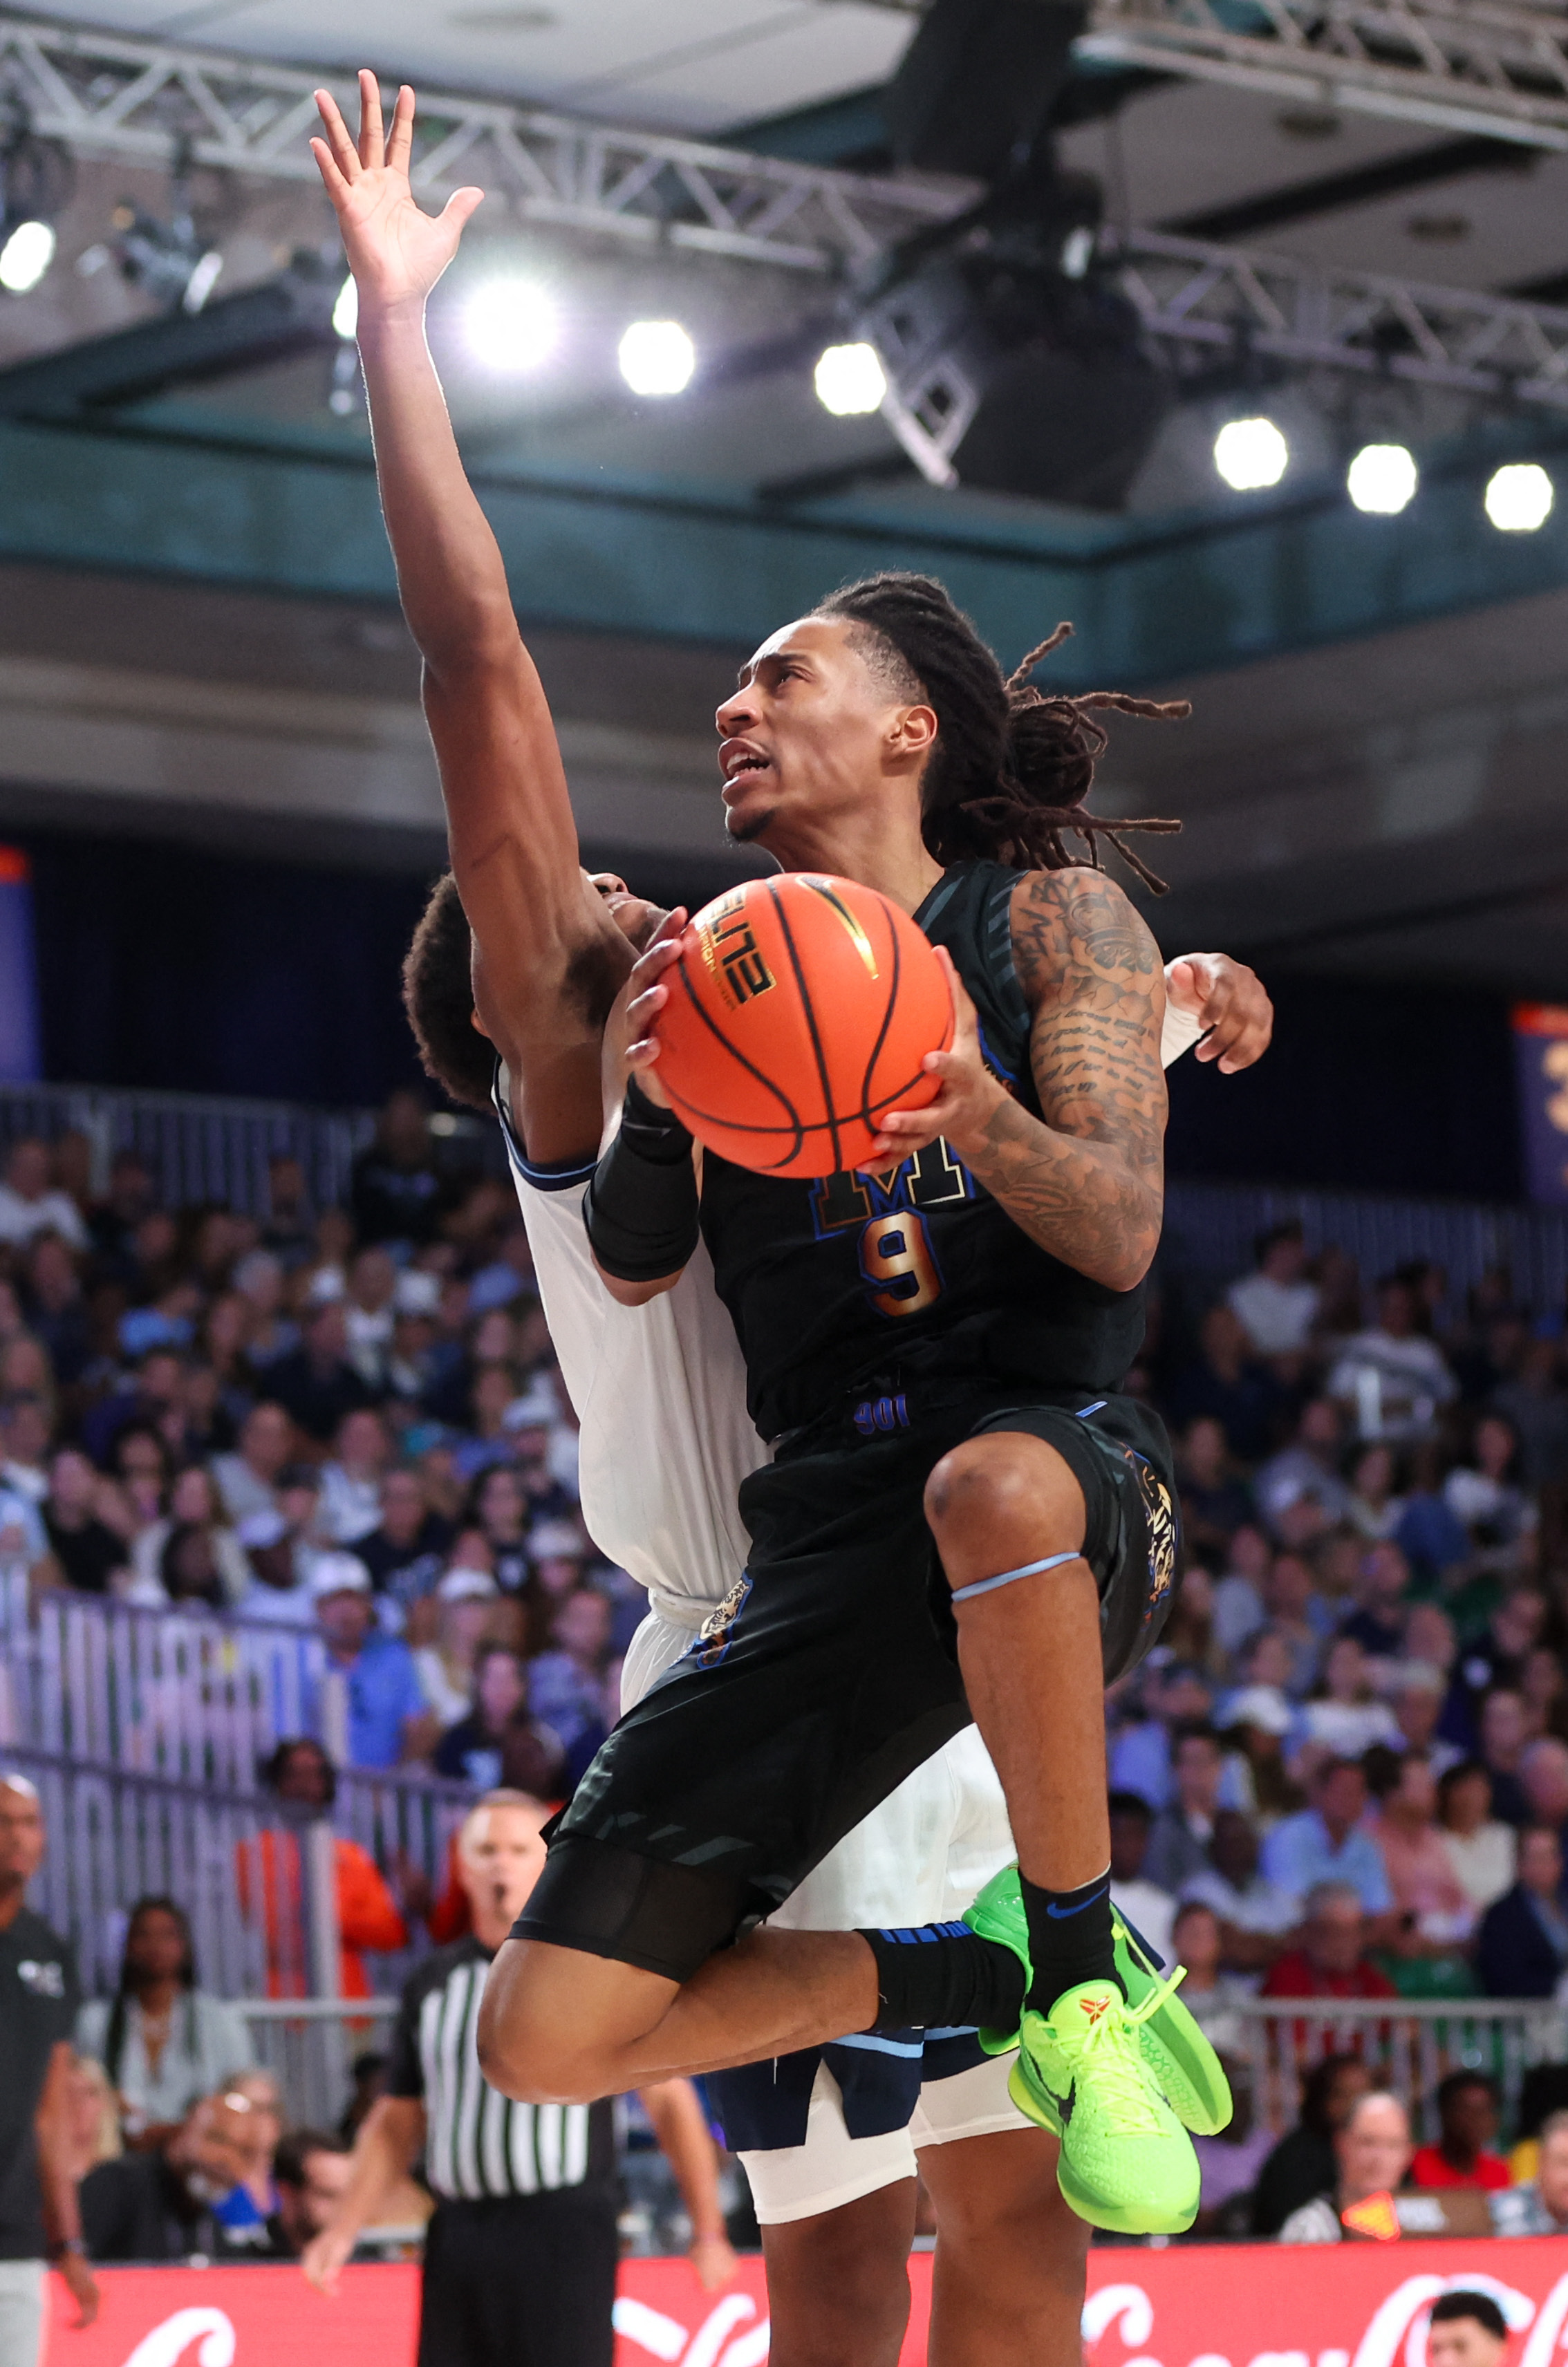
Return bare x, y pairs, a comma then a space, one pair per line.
1126, 2164
1185, 2066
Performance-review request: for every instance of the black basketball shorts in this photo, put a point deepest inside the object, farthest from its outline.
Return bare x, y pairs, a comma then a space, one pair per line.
829, 1673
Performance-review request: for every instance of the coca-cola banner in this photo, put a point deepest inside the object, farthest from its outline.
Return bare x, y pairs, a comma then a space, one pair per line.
1192, 2305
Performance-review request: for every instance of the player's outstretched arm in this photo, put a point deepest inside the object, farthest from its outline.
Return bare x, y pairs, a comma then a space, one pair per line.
550, 956
1087, 1182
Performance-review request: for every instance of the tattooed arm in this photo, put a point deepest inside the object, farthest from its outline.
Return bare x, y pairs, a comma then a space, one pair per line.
1085, 1180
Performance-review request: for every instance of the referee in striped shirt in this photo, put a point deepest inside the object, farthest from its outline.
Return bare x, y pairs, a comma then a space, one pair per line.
521, 2255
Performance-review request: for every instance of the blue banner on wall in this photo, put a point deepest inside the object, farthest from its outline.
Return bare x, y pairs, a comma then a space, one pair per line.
1540, 1052
20, 1062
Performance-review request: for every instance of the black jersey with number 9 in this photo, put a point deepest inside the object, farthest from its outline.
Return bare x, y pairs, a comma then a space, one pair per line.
858, 1281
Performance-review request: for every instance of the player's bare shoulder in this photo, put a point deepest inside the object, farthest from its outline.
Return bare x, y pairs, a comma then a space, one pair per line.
1075, 933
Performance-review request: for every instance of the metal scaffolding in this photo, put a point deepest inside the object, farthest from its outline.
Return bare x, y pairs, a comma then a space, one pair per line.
106, 96
1220, 297
1466, 65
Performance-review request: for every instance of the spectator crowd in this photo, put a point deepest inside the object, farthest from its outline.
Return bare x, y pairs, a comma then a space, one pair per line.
1342, 1773
345, 1422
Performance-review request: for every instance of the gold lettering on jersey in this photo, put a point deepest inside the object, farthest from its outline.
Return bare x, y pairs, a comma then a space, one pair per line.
935, 1178
896, 1256
858, 937
730, 951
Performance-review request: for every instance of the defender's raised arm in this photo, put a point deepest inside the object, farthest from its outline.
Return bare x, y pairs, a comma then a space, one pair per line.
549, 955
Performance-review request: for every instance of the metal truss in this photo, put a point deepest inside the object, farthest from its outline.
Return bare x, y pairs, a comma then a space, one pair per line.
1467, 65
106, 96
1225, 297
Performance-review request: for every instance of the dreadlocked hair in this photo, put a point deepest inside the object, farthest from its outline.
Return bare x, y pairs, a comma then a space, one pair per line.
1011, 767
438, 994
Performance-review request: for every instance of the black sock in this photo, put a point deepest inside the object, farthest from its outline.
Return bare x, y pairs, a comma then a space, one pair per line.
945, 1977
1070, 1939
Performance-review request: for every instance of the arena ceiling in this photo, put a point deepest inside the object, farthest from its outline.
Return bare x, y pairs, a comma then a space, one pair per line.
1427, 746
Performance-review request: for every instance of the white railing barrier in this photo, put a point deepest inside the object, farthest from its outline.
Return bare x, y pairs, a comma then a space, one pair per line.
309, 2044
257, 1917
1409, 2046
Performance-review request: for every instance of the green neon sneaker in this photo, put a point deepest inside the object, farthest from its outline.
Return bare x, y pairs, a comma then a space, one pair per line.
1185, 2066
1126, 2162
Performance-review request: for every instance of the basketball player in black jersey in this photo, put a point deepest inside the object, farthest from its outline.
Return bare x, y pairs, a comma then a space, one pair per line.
780, 1990
937, 1348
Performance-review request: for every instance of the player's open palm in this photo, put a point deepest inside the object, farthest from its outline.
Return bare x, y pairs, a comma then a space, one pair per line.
396, 252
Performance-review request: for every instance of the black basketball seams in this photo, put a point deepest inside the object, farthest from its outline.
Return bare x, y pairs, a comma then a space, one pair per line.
712, 1117
823, 1079
865, 1101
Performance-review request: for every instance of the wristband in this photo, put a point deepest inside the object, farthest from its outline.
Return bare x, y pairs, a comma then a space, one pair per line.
641, 1208
75, 2244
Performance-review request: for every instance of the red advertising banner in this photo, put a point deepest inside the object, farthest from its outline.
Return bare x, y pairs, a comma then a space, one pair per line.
1189, 2305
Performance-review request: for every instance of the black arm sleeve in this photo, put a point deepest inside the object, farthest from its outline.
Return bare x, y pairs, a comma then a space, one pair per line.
640, 1209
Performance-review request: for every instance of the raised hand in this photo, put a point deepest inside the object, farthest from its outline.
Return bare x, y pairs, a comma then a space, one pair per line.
395, 252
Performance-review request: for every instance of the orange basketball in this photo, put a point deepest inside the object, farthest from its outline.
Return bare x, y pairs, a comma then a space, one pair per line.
798, 1014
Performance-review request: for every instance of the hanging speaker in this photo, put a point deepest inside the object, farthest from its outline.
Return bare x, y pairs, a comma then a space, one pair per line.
977, 82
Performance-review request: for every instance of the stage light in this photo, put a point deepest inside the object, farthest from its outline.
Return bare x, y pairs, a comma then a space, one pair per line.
1250, 454
25, 256
202, 280
656, 358
510, 325
1381, 478
346, 311
849, 379
1519, 497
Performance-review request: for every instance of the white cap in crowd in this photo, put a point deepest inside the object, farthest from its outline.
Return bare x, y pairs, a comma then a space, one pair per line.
338, 1573
466, 1586
555, 1540
534, 1409
1264, 1706
418, 1293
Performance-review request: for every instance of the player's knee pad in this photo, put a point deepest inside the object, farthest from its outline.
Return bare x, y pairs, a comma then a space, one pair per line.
638, 1911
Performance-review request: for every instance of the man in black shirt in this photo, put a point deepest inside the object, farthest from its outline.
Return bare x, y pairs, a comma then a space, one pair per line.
38, 1998
395, 1186
521, 2255
87, 1550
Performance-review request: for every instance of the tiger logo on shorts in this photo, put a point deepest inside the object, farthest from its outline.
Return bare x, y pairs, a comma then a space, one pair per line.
715, 1634
1161, 1529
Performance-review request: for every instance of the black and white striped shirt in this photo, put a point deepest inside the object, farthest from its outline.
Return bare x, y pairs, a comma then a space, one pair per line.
479, 2145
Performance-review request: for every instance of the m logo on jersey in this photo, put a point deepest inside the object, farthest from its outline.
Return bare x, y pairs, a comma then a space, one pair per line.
932, 1178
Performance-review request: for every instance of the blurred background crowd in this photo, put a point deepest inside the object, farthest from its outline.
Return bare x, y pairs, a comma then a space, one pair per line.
1342, 1775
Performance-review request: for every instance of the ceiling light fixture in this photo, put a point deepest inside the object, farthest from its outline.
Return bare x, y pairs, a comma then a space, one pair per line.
25, 256
511, 325
1382, 479
656, 358
1250, 454
849, 380
1519, 497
